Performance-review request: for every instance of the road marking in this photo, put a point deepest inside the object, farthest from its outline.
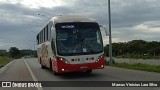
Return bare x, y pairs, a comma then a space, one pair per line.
33, 76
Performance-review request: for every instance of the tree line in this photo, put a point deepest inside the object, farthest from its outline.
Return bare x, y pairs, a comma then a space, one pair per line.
134, 47
14, 52
139, 47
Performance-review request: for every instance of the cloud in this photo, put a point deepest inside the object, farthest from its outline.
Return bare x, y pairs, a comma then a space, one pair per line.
140, 31
35, 4
131, 19
135, 12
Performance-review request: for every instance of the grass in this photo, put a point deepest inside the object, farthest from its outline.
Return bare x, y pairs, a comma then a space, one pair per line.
4, 60
138, 56
138, 66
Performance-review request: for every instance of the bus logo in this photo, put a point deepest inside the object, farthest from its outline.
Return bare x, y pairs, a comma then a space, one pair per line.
6, 84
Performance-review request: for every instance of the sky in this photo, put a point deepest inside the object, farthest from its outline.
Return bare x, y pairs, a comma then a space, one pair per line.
131, 19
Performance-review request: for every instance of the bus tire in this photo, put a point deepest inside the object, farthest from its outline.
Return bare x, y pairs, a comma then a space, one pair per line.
55, 73
88, 71
50, 64
42, 66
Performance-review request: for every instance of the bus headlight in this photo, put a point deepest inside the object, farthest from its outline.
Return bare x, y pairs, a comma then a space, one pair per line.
99, 58
62, 59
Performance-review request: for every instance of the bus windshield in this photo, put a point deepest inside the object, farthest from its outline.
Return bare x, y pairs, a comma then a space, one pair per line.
78, 38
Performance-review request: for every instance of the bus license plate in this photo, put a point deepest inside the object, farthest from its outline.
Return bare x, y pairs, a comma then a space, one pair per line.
83, 67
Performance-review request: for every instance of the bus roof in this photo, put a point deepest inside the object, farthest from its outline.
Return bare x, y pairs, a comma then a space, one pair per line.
71, 18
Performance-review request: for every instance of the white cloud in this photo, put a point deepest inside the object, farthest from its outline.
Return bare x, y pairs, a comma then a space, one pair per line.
131, 19
36, 3
148, 27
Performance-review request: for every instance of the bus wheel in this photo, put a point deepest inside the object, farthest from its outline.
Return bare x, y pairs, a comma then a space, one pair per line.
88, 71
55, 73
42, 66
51, 65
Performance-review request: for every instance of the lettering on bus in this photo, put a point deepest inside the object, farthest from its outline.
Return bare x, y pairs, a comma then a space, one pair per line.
68, 26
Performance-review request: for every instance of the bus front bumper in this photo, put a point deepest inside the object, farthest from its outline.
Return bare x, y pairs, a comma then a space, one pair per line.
61, 67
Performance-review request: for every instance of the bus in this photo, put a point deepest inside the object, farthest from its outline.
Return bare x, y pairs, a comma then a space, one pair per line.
70, 43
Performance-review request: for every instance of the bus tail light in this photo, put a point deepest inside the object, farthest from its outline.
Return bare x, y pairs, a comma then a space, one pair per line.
99, 58
62, 59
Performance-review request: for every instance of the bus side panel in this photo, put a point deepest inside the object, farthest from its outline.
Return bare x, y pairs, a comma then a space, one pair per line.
54, 65
43, 55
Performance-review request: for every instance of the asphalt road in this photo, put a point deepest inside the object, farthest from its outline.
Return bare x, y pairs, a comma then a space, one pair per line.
30, 70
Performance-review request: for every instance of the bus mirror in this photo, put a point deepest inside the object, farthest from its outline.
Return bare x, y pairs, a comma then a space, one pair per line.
105, 29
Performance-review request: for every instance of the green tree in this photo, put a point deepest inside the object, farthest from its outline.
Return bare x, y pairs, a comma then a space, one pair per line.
14, 52
27, 52
106, 50
136, 46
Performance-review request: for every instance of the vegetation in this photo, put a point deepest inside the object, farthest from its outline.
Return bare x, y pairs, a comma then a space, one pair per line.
135, 49
138, 66
4, 53
4, 60
14, 53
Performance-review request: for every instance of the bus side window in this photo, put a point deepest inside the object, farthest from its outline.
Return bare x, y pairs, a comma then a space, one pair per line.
37, 39
47, 32
44, 34
53, 46
41, 36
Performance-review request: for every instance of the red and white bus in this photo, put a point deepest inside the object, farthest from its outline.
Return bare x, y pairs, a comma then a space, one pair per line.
70, 43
